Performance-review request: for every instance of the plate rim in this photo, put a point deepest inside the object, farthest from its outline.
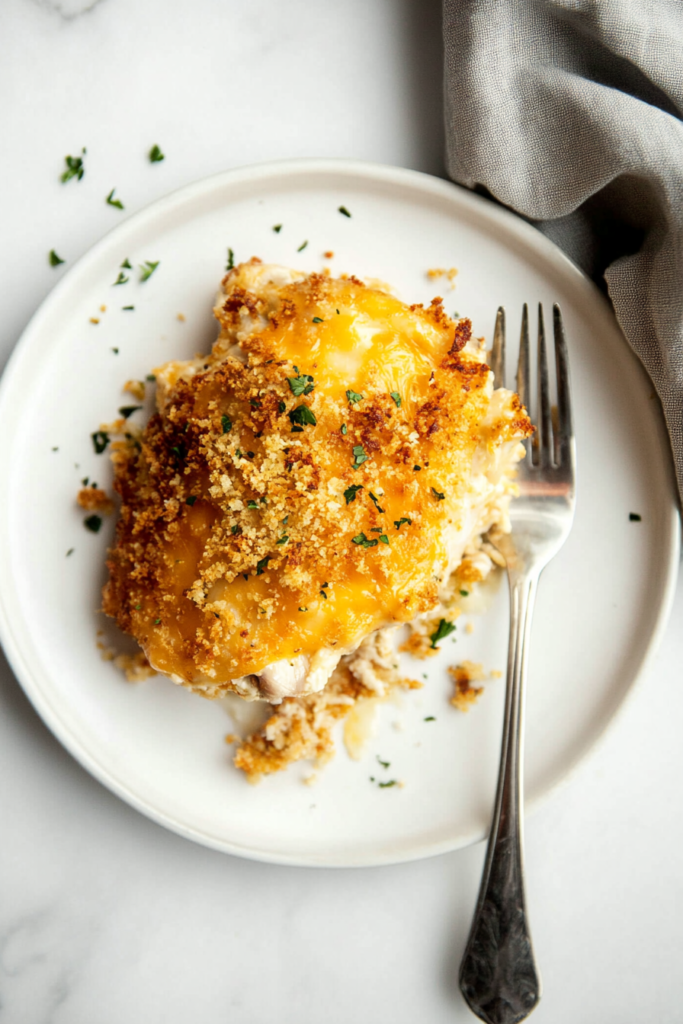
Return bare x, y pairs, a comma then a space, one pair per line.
377, 172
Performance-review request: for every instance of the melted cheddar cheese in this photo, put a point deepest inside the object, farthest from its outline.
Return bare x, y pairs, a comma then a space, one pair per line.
317, 477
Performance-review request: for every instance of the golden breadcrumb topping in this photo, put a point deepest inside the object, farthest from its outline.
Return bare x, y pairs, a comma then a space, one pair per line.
300, 486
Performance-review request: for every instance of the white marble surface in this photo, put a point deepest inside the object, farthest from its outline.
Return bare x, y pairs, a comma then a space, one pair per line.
106, 917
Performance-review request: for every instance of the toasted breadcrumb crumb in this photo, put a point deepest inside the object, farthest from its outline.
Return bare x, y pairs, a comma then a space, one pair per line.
463, 675
93, 499
450, 274
136, 388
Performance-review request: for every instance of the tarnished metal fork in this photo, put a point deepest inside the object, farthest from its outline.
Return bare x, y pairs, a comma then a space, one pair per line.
498, 975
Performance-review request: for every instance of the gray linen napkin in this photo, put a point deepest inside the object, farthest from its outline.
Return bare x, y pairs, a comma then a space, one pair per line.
569, 112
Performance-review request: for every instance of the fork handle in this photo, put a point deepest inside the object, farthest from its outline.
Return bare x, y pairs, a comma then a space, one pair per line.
498, 976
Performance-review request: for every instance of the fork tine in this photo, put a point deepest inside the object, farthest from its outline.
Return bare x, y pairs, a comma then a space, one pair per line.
498, 349
545, 427
523, 364
564, 407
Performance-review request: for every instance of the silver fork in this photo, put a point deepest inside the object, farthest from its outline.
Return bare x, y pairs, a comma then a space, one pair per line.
498, 975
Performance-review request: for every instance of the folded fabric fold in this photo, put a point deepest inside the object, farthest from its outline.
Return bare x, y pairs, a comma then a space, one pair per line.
570, 113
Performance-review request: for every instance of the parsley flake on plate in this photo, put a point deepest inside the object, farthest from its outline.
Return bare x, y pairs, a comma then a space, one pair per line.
54, 259
231, 260
344, 211
302, 246
93, 523
74, 167
155, 155
128, 410
147, 269
100, 440
114, 202
444, 629
121, 279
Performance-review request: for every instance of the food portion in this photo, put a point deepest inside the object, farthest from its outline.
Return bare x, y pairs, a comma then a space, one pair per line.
327, 472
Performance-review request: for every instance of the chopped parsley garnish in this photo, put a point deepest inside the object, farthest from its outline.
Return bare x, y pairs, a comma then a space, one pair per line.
283, 539
226, 424
342, 209
157, 622
114, 202
303, 416
238, 454
121, 279
359, 456
74, 167
464, 593
439, 495
150, 376
281, 406
303, 609
277, 228
350, 492
354, 397
383, 537
416, 469
54, 259
191, 500
128, 410
302, 246
231, 260
252, 504
284, 521
127, 265
92, 523
398, 523
429, 718
254, 403
444, 629
234, 530
100, 440
375, 502
147, 269
70, 552
397, 398
634, 517
323, 594
318, 320
385, 764
125, 308
155, 155
385, 785
343, 429
364, 541
301, 385
261, 565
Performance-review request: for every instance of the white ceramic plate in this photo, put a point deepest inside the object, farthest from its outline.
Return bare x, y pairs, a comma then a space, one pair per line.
602, 602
